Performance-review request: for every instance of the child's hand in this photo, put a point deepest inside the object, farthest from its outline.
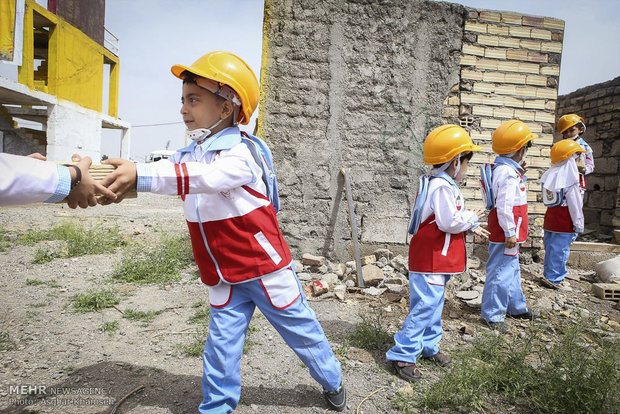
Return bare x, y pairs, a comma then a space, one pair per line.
481, 232
510, 242
120, 181
84, 194
480, 212
581, 169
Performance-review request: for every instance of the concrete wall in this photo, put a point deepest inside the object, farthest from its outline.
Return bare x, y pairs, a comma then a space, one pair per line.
359, 84
599, 105
70, 126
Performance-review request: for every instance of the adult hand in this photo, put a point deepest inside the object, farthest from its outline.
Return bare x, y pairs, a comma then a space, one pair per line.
120, 181
510, 242
85, 193
37, 156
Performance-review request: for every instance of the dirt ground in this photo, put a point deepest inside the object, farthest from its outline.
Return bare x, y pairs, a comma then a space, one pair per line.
77, 368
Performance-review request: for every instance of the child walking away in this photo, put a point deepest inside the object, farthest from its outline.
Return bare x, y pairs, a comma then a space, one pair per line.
437, 249
241, 253
502, 294
564, 216
573, 126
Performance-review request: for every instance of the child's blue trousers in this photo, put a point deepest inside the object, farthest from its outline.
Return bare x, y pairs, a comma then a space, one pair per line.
502, 293
421, 331
296, 323
557, 250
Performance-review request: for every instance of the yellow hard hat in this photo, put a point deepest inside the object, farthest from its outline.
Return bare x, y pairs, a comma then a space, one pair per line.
562, 150
568, 121
511, 136
227, 69
444, 143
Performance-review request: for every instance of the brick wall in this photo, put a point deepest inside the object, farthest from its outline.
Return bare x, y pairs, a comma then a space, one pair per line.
510, 65
359, 85
599, 105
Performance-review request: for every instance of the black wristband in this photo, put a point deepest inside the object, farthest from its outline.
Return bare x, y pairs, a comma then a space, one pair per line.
78, 176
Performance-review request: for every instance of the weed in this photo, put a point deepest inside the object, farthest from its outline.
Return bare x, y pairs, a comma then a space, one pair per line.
110, 327
198, 303
68, 368
202, 315
142, 316
195, 347
576, 374
6, 343
39, 304
370, 333
248, 344
94, 300
158, 265
5, 242
39, 282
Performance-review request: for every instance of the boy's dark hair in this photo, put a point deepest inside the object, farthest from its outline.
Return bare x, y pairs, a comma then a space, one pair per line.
464, 156
189, 77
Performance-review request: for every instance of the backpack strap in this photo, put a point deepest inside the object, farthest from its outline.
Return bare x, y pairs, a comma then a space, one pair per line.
486, 185
420, 199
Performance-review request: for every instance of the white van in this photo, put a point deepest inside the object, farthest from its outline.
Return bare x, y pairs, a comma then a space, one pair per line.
159, 155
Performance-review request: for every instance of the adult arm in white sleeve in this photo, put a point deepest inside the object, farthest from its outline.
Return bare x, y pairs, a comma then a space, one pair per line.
504, 205
25, 180
447, 217
575, 207
232, 169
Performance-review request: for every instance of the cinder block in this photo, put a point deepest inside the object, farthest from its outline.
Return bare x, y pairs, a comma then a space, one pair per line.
511, 18
538, 161
450, 112
554, 47
530, 44
481, 135
495, 53
533, 21
473, 50
490, 123
483, 87
524, 115
490, 16
545, 152
546, 140
454, 100
497, 30
519, 31
550, 70
488, 40
537, 57
534, 104
509, 41
493, 77
540, 34
475, 27
551, 23
535, 208
471, 74
493, 100
609, 291
536, 80
508, 66
482, 110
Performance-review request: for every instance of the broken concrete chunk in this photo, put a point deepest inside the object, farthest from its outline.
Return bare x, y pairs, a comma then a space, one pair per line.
330, 278
372, 275
368, 259
392, 288
380, 253
400, 264
373, 291
340, 291
608, 270
311, 260
319, 287
304, 276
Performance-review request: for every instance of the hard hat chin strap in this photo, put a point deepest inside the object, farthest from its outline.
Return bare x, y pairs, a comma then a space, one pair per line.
201, 133
437, 171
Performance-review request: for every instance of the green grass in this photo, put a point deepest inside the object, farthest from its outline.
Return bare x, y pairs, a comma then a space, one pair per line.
370, 333
94, 300
6, 343
140, 316
201, 315
160, 264
39, 282
195, 346
577, 374
110, 327
4, 240
79, 240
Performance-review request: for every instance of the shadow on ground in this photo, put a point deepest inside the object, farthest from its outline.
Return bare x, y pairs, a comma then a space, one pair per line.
111, 382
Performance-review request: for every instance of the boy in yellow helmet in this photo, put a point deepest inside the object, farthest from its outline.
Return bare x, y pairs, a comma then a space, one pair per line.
564, 216
572, 126
437, 249
502, 294
236, 240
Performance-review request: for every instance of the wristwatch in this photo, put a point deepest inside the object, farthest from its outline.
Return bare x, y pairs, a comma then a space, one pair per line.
78, 176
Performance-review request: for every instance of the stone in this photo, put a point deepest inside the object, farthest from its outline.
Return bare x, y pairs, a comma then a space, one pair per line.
298, 265
467, 294
394, 288
311, 260
382, 262
608, 270
319, 287
372, 275
340, 269
341, 292
359, 354
373, 291
383, 253
400, 264
466, 330
305, 277
368, 259
474, 303
473, 262
330, 278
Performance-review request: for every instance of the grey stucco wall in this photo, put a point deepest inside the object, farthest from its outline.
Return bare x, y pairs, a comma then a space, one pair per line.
355, 84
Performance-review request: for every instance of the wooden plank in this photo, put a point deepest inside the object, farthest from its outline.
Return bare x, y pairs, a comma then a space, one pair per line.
595, 247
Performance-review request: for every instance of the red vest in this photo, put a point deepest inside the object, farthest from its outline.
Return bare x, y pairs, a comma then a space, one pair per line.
239, 248
557, 219
433, 251
497, 233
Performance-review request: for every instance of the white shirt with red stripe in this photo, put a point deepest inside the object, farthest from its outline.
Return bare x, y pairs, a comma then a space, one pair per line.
510, 192
234, 231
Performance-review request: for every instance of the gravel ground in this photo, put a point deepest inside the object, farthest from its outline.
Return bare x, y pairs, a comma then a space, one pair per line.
139, 369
